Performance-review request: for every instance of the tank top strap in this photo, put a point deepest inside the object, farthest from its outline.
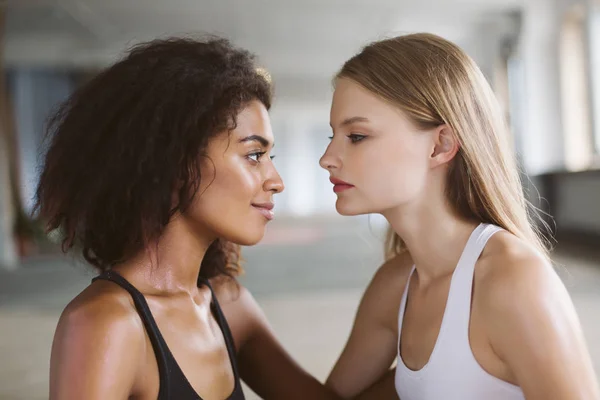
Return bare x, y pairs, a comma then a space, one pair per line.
229, 342
461, 288
403, 304
158, 343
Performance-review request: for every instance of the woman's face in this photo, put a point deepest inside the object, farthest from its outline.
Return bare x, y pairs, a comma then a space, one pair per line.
238, 180
377, 159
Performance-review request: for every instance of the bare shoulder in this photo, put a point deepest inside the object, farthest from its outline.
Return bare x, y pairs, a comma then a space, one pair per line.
390, 279
373, 339
381, 300
511, 270
527, 311
515, 286
98, 345
395, 270
103, 302
103, 310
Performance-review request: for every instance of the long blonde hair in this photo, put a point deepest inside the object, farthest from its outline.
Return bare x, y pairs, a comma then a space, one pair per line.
435, 82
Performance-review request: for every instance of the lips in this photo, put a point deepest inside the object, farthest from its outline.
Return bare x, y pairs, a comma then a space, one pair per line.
266, 209
339, 185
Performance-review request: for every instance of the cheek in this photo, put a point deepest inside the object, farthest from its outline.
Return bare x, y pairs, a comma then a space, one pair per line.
396, 173
232, 191
241, 181
225, 197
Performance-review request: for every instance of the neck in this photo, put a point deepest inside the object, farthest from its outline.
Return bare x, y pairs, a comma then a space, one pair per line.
434, 235
173, 264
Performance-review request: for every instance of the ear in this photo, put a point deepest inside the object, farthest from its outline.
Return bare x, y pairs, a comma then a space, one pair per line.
445, 145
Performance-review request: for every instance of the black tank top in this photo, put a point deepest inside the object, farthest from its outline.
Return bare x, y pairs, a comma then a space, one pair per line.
173, 383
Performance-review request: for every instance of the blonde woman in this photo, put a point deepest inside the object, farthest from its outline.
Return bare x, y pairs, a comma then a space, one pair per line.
468, 303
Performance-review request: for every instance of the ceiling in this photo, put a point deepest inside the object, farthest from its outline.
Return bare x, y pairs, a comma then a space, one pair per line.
302, 43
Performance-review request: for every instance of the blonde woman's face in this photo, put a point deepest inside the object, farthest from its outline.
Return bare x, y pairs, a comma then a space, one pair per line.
377, 159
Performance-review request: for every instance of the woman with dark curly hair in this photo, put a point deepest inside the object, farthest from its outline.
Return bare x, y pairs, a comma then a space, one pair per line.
157, 170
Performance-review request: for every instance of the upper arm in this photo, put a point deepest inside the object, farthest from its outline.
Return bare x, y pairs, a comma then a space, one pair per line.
372, 345
535, 330
264, 364
95, 353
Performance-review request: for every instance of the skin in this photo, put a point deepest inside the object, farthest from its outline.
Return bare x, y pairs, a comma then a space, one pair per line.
523, 329
101, 349
264, 365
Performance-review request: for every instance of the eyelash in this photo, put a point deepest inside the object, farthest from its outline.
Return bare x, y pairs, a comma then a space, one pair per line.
354, 137
258, 155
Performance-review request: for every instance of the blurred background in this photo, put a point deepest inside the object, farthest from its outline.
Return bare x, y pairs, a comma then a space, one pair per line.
542, 57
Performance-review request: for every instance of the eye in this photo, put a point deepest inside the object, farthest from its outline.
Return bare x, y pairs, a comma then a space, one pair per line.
355, 137
330, 137
256, 156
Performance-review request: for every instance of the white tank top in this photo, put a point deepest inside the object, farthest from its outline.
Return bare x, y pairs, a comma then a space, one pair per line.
452, 373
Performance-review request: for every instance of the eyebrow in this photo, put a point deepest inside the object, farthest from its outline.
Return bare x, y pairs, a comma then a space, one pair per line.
256, 138
352, 120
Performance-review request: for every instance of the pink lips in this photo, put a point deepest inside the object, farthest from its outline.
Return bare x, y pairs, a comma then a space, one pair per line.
266, 209
339, 185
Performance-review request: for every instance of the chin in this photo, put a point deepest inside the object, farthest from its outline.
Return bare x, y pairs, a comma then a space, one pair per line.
247, 238
349, 211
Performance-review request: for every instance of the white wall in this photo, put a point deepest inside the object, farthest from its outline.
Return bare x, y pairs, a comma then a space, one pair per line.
301, 131
541, 129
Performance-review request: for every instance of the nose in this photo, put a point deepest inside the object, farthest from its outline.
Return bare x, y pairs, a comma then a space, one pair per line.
273, 183
330, 159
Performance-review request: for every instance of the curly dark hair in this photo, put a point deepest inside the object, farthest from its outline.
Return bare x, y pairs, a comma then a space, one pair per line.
123, 143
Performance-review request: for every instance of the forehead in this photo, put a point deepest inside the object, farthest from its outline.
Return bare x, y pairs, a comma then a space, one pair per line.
254, 119
351, 99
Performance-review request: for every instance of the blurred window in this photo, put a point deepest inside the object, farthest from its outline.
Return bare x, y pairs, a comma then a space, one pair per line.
575, 93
